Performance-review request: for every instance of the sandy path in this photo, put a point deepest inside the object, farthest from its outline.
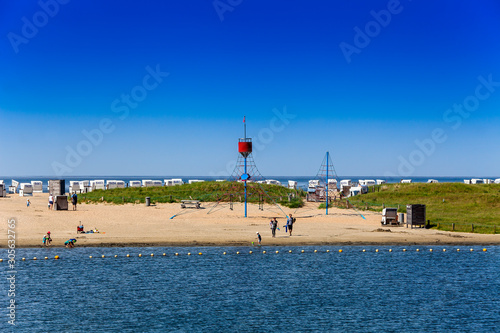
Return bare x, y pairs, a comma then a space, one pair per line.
136, 225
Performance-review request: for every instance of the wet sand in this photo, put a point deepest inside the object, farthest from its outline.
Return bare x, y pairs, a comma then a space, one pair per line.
138, 225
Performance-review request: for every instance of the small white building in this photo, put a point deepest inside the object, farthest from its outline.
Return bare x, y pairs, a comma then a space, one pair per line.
192, 181
25, 189
37, 186
98, 184
157, 183
111, 184
432, 181
497, 181
292, 184
273, 182
380, 181
367, 182
332, 183
345, 182
74, 186
488, 181
14, 186
355, 190
405, 181
147, 183
120, 184
476, 181
467, 181
135, 183
173, 182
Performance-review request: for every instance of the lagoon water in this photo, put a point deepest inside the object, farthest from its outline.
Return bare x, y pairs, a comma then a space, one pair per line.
351, 291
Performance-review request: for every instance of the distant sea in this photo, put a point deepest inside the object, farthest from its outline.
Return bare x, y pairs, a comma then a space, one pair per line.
302, 181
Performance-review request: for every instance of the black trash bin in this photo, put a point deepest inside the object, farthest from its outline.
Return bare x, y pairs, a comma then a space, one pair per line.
148, 201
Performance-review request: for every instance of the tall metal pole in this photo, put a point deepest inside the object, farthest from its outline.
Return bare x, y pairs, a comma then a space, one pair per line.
245, 128
327, 164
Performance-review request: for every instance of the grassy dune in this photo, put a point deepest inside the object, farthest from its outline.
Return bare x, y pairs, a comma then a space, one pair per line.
447, 203
203, 191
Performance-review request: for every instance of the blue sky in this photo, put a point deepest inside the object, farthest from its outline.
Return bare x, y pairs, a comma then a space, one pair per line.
374, 83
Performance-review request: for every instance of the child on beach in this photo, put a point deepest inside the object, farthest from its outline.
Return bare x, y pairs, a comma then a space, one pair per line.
44, 240
28, 202
49, 240
259, 238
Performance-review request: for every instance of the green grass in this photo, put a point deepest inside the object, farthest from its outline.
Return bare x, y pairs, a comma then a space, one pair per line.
463, 204
203, 191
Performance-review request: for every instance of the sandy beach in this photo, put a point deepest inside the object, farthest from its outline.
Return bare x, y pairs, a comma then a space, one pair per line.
138, 225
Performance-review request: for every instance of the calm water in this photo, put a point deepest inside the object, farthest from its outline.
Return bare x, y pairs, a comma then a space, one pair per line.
350, 291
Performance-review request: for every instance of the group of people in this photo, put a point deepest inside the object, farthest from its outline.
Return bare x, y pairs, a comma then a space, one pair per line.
74, 201
273, 224
47, 240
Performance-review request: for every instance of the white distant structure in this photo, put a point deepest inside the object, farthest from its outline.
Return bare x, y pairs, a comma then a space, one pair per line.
488, 181
25, 189
147, 183
157, 183
292, 184
192, 181
432, 181
332, 183
405, 181
37, 186
367, 182
120, 184
313, 183
355, 190
74, 186
273, 182
476, 181
380, 181
3, 192
97, 184
220, 180
135, 183
85, 186
467, 181
13, 187
497, 181
173, 182
111, 184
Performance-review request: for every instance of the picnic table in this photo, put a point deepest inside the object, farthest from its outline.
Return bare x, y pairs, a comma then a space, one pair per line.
190, 204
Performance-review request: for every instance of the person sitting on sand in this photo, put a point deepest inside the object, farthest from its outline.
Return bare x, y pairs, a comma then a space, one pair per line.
79, 229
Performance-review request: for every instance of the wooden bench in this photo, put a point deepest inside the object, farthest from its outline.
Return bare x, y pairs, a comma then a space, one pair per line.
190, 204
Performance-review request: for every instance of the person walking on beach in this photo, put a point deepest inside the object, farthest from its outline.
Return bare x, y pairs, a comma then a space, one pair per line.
289, 223
49, 240
274, 225
28, 202
74, 200
259, 238
51, 201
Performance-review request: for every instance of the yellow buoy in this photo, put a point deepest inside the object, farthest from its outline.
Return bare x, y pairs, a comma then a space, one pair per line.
430, 250
176, 253
102, 256
376, 250
484, 250
140, 255
237, 252
471, 250
189, 253
327, 251
223, 252
364, 250
250, 252
315, 251
444, 250
164, 254
128, 255
34, 258
404, 250
390, 250
152, 254
277, 252
302, 251
56, 257
116, 255
458, 250
418, 250
341, 250
289, 251
200, 253
264, 252
21, 259
90, 257
1, 260
46, 258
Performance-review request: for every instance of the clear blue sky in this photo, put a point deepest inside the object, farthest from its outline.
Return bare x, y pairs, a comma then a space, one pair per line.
367, 97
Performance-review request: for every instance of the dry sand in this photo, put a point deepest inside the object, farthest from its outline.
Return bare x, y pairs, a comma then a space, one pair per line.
138, 225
